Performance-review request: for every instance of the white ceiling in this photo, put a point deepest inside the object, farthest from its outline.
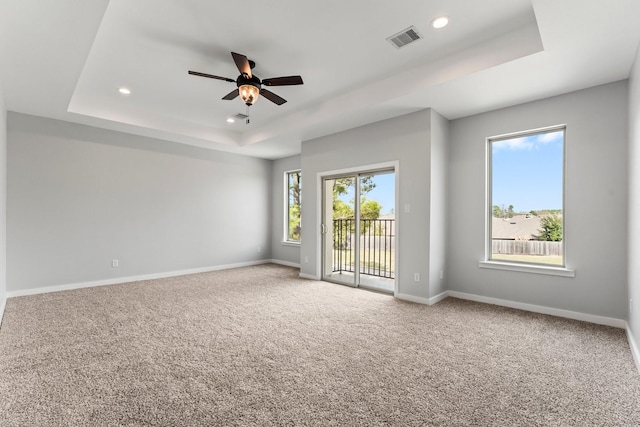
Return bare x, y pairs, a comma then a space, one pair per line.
66, 59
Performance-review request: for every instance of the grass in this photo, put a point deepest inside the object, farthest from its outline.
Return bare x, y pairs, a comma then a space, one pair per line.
536, 259
348, 256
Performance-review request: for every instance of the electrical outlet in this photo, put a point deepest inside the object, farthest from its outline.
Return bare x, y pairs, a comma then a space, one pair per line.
114, 263
416, 277
441, 274
259, 249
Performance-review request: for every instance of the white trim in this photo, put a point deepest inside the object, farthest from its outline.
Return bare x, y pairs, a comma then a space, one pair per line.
397, 222
308, 276
436, 299
412, 298
375, 167
3, 304
489, 197
318, 230
118, 280
290, 243
286, 263
525, 268
635, 351
591, 318
285, 209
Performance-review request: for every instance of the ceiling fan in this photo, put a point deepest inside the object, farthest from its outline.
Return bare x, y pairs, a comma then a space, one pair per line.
249, 85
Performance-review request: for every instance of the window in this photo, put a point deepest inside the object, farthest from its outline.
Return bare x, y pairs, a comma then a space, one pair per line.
525, 211
293, 189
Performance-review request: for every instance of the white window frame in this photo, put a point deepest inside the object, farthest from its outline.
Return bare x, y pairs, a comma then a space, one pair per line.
286, 240
524, 267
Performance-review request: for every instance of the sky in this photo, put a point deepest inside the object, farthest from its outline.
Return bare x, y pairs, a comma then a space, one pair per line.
384, 192
527, 172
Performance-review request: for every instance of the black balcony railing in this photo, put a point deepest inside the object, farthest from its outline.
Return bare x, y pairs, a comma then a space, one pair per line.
377, 243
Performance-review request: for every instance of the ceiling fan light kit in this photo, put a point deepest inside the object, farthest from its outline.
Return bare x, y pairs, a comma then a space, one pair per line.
249, 85
249, 94
249, 91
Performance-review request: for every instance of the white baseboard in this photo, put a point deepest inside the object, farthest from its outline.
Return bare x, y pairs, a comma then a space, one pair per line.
119, 280
420, 300
309, 276
635, 351
412, 298
3, 304
286, 263
591, 318
438, 298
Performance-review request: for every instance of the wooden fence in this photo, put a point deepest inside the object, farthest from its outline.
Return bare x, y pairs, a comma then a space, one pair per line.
526, 247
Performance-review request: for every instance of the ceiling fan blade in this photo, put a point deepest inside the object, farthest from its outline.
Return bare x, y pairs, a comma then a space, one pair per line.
231, 95
242, 63
283, 81
211, 76
272, 97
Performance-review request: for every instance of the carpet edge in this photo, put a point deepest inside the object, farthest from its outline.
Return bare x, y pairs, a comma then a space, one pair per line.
575, 315
285, 263
128, 279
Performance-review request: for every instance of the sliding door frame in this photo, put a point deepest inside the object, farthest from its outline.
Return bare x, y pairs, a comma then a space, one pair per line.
362, 169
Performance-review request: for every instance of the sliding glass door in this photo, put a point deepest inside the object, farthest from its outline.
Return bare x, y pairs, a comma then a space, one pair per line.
358, 229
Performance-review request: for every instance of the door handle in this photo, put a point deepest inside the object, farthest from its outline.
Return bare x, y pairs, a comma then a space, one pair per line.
323, 229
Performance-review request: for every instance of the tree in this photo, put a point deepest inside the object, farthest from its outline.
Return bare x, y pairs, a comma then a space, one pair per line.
341, 185
294, 184
341, 210
502, 212
551, 228
369, 209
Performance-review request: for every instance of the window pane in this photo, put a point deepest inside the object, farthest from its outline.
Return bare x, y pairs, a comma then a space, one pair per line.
526, 198
293, 206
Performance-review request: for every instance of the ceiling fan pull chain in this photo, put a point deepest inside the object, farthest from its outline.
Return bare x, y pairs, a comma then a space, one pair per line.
247, 114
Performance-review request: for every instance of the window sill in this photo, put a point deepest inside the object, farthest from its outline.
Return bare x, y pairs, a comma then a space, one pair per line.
289, 243
526, 268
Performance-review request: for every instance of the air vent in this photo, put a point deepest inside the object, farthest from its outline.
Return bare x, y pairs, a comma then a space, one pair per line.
240, 116
405, 37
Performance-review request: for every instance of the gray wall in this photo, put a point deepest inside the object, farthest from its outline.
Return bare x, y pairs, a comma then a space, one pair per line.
79, 197
405, 139
634, 199
595, 203
3, 201
286, 252
438, 202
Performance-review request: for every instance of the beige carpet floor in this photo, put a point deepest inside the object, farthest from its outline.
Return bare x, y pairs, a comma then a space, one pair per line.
259, 346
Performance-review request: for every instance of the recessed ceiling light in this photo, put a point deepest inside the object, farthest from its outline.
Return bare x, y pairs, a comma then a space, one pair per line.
440, 22
124, 91
230, 120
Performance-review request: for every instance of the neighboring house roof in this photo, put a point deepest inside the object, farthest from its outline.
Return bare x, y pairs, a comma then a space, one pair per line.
518, 227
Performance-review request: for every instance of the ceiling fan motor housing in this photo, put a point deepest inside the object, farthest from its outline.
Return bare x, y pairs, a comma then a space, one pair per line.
253, 81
